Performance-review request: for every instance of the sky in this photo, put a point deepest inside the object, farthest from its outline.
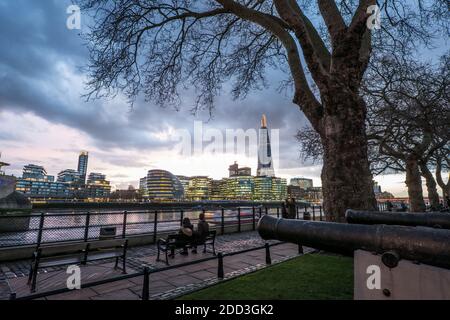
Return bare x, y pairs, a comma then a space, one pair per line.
45, 120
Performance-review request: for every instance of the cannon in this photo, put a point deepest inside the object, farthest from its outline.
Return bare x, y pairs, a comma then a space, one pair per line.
426, 219
418, 244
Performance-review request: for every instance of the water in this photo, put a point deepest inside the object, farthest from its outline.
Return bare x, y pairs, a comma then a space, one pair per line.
66, 226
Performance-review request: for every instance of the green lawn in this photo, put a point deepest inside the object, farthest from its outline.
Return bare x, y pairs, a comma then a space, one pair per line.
312, 276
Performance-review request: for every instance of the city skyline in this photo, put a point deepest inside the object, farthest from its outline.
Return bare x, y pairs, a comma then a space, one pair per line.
45, 119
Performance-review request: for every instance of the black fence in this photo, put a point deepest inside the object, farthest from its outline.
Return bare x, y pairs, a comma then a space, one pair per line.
146, 273
22, 230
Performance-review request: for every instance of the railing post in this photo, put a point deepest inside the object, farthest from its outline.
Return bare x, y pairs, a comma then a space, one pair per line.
41, 229
314, 213
296, 210
305, 212
145, 287
266, 210
320, 212
181, 217
86, 226
300, 249
260, 212
155, 226
278, 212
220, 265
124, 224
222, 221
254, 220
268, 258
239, 219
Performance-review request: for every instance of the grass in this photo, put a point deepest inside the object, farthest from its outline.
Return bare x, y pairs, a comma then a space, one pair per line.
312, 276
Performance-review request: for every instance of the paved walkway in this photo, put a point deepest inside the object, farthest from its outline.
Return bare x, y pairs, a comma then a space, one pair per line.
163, 285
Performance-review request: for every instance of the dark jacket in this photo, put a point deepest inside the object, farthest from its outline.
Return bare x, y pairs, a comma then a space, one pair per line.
202, 228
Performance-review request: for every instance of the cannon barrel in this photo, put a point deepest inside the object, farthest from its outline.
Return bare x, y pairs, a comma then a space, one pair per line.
428, 219
426, 245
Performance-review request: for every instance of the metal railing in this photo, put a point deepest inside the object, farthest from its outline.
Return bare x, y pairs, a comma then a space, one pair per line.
35, 229
146, 272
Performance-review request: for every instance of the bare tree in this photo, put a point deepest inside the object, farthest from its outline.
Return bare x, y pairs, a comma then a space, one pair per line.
442, 164
155, 46
408, 119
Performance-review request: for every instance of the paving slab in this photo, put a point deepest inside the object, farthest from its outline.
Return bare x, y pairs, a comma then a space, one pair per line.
163, 285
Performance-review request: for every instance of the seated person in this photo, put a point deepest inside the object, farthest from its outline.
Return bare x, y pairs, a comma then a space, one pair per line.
185, 235
201, 233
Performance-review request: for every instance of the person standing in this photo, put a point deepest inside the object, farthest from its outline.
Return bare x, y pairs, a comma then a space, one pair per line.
292, 208
389, 206
284, 212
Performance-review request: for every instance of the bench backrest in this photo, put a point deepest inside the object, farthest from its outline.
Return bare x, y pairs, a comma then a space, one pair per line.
106, 244
61, 249
211, 234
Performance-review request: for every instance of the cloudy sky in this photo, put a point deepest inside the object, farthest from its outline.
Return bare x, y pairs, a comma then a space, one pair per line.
44, 120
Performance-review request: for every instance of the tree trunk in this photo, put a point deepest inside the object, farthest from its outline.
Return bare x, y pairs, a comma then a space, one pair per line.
433, 194
414, 184
346, 178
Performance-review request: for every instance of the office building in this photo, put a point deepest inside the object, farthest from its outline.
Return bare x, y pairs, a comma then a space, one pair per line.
303, 183
269, 188
82, 165
97, 186
35, 183
217, 190
184, 182
70, 176
295, 192
143, 191
199, 188
34, 172
163, 186
235, 171
239, 188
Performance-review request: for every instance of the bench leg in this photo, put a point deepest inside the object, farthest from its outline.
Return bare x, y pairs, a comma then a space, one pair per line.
124, 264
34, 279
167, 258
157, 256
30, 275
117, 263
214, 248
204, 248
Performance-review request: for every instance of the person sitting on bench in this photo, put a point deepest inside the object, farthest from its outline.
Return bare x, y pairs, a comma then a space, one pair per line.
185, 235
201, 233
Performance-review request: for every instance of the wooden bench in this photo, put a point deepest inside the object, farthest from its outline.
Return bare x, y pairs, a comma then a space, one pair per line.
55, 255
171, 243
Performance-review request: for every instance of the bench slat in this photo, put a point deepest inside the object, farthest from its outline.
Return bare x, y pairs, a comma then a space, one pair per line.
63, 260
99, 244
104, 255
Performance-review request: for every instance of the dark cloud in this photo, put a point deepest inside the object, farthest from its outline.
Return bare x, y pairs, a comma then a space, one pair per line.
39, 72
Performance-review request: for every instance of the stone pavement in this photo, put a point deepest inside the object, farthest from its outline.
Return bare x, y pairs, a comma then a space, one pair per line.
163, 285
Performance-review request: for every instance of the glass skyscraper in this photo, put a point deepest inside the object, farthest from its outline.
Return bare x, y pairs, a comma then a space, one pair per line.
265, 164
82, 165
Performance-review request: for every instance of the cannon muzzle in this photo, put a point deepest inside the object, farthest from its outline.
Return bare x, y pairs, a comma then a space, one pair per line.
426, 245
426, 219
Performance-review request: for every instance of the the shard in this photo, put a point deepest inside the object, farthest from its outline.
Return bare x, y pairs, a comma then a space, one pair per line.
265, 164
